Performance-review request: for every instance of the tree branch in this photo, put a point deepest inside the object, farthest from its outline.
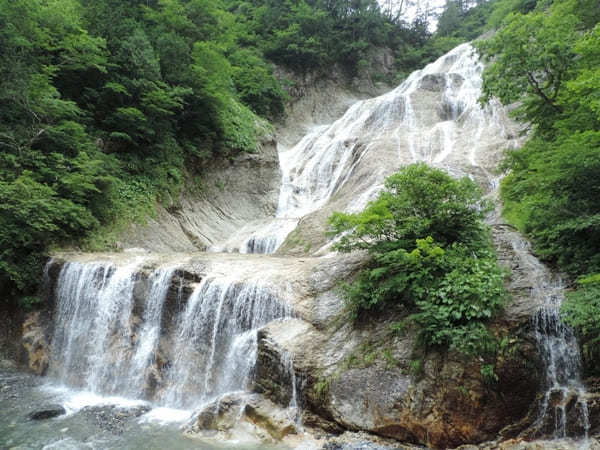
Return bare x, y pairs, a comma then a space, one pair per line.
535, 85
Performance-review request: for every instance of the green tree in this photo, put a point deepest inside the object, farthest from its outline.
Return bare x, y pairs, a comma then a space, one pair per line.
533, 59
548, 62
430, 254
54, 182
581, 311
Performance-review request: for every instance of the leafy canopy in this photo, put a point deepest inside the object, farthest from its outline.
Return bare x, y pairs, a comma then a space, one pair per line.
548, 61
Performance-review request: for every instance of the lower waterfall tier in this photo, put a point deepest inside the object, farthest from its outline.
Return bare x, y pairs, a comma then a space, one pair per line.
209, 332
135, 332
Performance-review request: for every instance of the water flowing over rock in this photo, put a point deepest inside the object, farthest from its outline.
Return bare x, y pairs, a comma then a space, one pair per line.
215, 348
563, 368
110, 338
236, 333
434, 116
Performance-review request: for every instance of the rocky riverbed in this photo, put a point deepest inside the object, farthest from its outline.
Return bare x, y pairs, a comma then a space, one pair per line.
100, 426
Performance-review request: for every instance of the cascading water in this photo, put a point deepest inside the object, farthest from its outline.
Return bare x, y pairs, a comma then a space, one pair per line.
94, 303
110, 339
111, 335
295, 405
215, 347
563, 409
555, 339
325, 159
562, 363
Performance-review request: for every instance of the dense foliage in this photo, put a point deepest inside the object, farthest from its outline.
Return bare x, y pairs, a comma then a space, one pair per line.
547, 60
108, 106
317, 35
581, 311
103, 104
430, 254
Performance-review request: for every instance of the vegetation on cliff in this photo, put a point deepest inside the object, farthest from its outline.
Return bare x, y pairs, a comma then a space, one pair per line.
430, 254
547, 62
581, 311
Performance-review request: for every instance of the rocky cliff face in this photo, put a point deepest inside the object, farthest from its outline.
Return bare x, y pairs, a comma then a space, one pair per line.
348, 378
232, 194
368, 378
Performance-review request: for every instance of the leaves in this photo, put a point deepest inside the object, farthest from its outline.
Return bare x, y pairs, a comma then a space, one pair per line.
431, 254
547, 60
581, 311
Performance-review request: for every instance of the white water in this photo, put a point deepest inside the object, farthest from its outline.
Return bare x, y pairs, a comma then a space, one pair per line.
110, 340
294, 407
556, 341
102, 346
215, 347
560, 352
447, 133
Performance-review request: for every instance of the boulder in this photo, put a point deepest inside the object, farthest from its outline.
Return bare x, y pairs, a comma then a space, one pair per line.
48, 412
244, 418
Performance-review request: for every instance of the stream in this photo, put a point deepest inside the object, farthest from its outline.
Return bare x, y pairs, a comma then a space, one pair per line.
91, 422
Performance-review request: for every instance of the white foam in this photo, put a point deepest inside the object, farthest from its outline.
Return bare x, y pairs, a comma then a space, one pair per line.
166, 415
74, 401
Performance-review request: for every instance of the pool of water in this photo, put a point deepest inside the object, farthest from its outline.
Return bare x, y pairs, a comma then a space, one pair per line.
91, 422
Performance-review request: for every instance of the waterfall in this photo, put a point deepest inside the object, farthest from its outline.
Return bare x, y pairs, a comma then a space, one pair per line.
322, 163
295, 406
110, 337
562, 362
117, 332
216, 346
93, 311
558, 349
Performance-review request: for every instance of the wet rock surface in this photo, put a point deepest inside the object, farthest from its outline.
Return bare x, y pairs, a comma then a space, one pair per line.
362, 441
334, 445
47, 412
364, 379
245, 417
36, 340
112, 418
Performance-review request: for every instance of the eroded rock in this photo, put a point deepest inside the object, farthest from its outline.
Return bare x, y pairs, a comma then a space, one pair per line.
243, 417
358, 381
35, 341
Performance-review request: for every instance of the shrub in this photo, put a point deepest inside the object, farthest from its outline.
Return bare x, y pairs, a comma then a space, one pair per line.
581, 311
430, 254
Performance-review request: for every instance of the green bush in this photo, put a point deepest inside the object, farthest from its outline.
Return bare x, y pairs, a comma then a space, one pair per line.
430, 254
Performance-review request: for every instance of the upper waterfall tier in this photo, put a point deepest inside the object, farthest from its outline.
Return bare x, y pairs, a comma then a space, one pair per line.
433, 116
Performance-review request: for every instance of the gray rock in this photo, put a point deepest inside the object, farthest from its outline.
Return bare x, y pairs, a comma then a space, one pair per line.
111, 418
48, 412
246, 417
